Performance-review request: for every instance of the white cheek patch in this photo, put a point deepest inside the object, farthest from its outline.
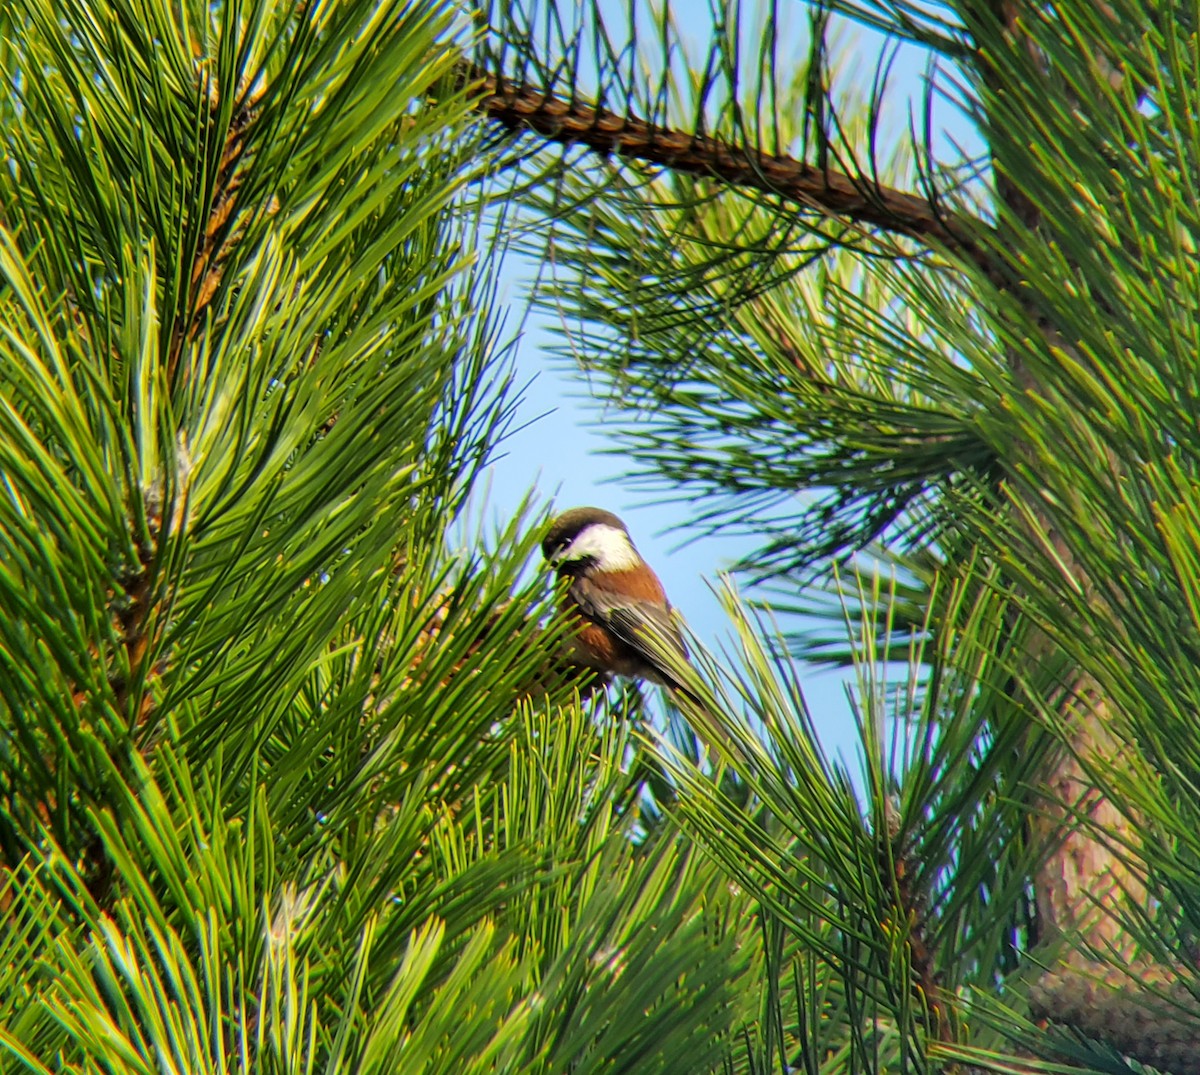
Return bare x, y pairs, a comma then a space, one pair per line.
609, 547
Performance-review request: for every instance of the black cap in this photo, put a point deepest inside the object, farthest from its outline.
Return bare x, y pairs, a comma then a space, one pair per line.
570, 523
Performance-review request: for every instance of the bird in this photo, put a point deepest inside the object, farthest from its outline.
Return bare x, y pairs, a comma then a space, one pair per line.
627, 626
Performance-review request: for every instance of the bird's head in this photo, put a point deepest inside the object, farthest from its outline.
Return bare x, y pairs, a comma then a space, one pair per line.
587, 539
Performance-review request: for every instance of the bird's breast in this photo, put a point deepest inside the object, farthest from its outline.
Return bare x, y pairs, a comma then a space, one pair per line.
598, 648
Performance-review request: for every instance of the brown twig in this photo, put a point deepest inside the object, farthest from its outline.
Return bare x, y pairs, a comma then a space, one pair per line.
222, 229
911, 905
857, 198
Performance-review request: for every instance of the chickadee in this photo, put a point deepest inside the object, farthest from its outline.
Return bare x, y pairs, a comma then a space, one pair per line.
627, 626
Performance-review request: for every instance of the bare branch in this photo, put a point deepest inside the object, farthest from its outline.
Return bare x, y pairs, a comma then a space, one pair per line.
858, 199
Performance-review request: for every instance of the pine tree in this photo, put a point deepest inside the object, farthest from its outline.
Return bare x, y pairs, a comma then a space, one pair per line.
289, 780
957, 393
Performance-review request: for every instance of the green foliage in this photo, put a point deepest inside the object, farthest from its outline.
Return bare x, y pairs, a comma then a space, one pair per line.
288, 784
757, 349
226, 951
993, 439
906, 879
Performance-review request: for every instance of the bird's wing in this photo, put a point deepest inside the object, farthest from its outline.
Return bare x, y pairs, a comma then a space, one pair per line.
650, 631
646, 627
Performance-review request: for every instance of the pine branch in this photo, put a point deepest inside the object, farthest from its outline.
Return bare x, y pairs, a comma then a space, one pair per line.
521, 107
222, 229
896, 865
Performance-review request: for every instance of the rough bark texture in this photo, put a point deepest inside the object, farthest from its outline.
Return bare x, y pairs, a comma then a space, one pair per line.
1085, 887
1143, 1010
1082, 883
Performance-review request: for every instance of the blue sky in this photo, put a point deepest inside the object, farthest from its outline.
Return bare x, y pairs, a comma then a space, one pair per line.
560, 448
560, 451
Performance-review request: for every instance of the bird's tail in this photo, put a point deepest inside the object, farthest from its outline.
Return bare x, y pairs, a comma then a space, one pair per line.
697, 701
